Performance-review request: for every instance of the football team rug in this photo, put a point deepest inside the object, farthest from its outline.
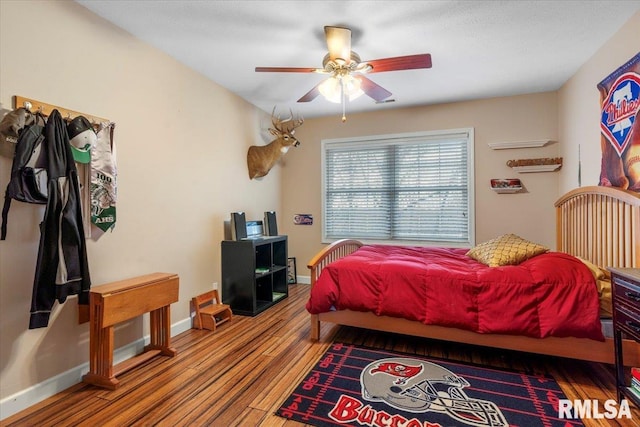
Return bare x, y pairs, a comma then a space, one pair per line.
356, 386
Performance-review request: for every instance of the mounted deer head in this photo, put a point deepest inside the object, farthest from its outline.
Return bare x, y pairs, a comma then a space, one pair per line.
260, 159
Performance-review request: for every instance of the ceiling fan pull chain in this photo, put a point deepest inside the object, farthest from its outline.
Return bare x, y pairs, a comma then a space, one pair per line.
344, 117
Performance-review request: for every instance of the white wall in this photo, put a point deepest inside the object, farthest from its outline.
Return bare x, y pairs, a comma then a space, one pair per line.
181, 146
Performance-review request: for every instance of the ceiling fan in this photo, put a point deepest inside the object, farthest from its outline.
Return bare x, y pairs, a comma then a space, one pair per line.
346, 70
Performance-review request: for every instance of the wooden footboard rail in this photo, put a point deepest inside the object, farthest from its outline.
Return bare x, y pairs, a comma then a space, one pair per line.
334, 251
600, 224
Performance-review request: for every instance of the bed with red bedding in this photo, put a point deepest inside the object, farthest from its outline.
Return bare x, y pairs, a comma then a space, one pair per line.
546, 304
551, 294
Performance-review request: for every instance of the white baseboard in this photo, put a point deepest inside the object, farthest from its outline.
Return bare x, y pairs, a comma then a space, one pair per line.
305, 280
47, 388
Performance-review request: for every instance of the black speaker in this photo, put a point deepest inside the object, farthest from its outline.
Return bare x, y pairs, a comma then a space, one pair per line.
238, 226
270, 225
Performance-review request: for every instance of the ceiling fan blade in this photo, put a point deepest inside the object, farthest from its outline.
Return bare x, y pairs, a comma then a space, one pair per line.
410, 62
311, 95
286, 70
339, 43
373, 90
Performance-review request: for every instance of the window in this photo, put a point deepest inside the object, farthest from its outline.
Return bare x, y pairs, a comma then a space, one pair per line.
405, 187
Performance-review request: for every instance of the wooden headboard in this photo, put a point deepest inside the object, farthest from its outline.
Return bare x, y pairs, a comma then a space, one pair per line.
600, 224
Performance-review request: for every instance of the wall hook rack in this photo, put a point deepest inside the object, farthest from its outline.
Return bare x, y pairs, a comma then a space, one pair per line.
46, 109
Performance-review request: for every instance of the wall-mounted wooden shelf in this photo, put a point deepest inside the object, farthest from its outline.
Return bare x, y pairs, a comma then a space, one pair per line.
510, 185
536, 168
518, 144
535, 165
507, 190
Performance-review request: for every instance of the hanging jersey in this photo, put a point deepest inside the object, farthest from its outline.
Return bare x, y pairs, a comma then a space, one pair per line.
103, 180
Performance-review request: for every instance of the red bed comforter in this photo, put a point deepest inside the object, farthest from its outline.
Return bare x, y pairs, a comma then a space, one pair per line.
553, 294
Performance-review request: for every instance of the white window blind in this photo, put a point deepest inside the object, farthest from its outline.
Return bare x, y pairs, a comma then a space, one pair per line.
400, 187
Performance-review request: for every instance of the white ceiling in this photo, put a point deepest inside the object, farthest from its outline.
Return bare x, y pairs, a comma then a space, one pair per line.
479, 49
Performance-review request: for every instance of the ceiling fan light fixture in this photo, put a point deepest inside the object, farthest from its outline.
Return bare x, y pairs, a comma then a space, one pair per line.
352, 87
330, 89
334, 87
335, 64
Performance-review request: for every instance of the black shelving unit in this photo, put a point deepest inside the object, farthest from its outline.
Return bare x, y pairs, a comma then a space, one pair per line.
254, 273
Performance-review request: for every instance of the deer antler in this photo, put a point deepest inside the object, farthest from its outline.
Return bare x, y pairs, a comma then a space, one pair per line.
281, 126
297, 123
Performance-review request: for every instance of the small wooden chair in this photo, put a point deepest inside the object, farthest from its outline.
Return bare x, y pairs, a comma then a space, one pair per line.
209, 311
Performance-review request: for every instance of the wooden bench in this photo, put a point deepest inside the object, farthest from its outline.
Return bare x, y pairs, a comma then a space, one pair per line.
210, 313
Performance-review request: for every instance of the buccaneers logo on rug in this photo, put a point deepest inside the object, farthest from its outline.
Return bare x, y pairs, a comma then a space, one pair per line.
418, 386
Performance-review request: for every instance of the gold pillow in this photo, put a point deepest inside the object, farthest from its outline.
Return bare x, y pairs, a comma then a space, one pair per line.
507, 249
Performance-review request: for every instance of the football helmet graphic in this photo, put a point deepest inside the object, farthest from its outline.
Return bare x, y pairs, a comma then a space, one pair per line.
418, 386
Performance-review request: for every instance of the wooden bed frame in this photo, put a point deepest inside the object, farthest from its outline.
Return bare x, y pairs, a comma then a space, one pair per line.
600, 224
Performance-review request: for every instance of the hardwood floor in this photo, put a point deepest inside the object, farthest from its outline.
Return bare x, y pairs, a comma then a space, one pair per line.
239, 375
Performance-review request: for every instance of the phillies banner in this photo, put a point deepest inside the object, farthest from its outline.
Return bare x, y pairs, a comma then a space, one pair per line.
620, 127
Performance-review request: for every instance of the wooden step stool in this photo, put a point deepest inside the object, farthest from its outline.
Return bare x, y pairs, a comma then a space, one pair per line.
208, 308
